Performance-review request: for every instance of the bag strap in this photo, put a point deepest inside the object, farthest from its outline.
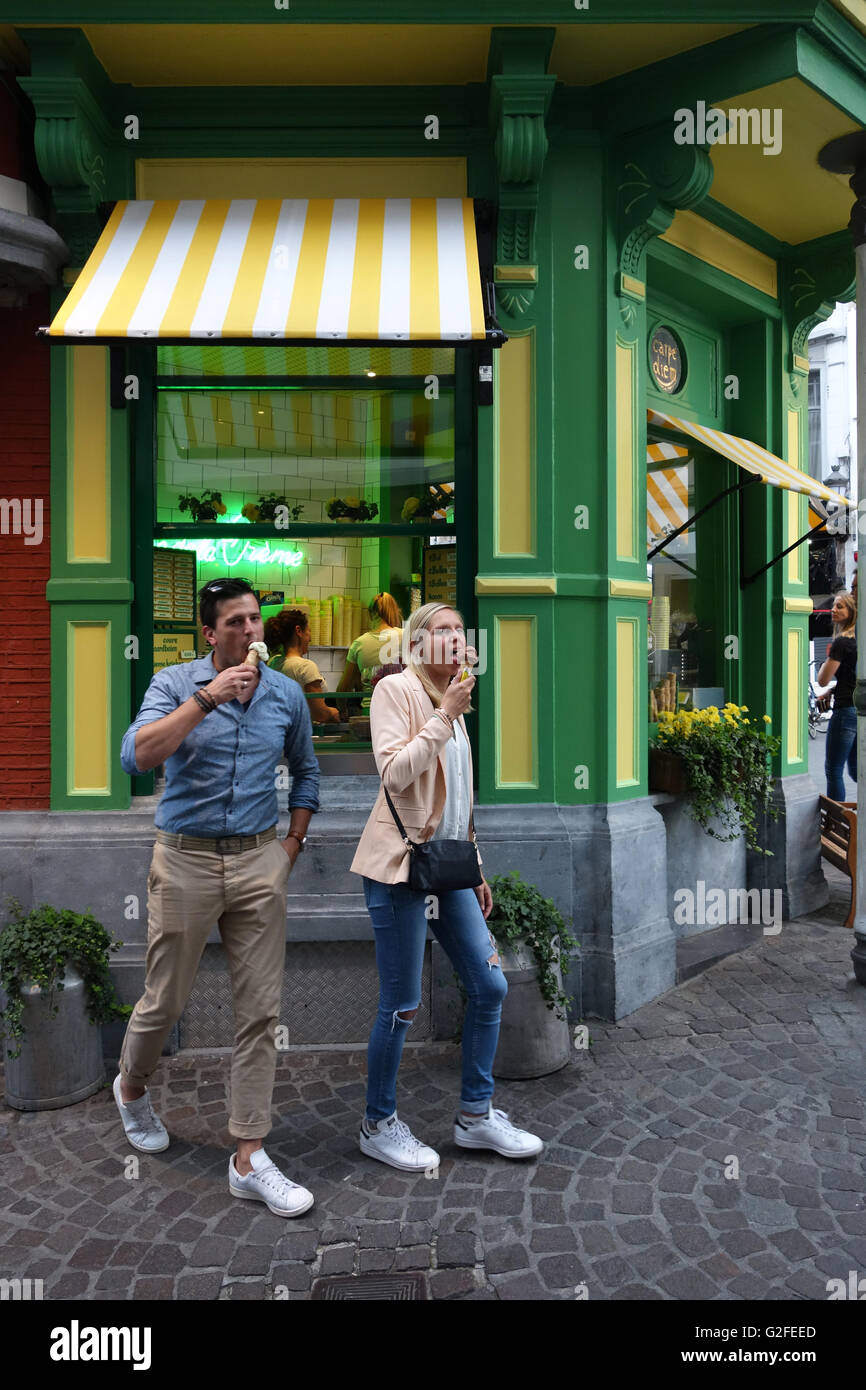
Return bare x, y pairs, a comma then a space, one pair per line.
400, 825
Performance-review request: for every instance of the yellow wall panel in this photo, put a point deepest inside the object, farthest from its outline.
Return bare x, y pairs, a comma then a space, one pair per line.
514, 491
88, 713
300, 178
627, 771
626, 388
795, 504
721, 250
516, 702
88, 495
796, 684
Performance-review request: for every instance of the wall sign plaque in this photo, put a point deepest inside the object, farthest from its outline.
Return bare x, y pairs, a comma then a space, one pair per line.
666, 360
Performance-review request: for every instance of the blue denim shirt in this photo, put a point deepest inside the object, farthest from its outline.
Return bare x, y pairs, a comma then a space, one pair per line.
222, 778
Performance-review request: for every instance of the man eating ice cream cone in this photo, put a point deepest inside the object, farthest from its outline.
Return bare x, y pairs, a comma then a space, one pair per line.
220, 725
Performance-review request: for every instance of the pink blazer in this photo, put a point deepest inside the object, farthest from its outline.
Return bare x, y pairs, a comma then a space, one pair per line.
409, 742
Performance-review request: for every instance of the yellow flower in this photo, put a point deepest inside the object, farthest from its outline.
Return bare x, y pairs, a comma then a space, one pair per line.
767, 719
745, 709
410, 507
352, 501
219, 508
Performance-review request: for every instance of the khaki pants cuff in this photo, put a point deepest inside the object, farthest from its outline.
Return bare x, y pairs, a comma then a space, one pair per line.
133, 1078
251, 1131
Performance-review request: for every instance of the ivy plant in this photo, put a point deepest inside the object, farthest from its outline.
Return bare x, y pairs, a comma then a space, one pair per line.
36, 947
521, 913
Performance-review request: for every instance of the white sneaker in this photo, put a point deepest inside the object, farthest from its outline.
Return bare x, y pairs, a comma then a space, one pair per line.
392, 1141
495, 1131
143, 1130
267, 1184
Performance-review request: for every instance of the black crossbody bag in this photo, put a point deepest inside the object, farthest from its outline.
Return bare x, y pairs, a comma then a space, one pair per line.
437, 866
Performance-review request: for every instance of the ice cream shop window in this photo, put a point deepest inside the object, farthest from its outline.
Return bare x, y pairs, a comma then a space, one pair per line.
691, 607
323, 476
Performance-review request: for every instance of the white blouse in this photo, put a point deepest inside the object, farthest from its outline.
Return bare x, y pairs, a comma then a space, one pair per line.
454, 824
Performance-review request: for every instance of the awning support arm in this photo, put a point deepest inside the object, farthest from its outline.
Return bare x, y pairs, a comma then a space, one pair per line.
736, 487
749, 578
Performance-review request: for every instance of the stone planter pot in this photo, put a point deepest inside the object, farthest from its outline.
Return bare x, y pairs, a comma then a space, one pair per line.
533, 1041
61, 1054
699, 864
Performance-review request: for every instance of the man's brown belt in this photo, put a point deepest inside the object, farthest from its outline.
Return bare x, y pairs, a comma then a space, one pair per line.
224, 844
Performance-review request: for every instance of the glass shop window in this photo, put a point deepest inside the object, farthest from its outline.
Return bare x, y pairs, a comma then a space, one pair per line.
686, 666
315, 474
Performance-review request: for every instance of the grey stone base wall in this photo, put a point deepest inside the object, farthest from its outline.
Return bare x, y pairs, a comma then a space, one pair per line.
608, 869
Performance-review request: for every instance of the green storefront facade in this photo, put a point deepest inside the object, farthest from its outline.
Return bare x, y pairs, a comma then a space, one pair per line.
618, 233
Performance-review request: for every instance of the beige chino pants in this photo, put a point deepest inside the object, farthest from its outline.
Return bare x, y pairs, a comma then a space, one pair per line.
187, 892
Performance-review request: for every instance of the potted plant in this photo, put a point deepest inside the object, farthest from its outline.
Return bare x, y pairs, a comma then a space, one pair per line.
205, 508
721, 760
351, 509
430, 506
56, 992
266, 509
534, 944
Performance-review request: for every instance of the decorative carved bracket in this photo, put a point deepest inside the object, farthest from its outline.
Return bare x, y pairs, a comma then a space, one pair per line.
814, 278
656, 178
520, 95
75, 132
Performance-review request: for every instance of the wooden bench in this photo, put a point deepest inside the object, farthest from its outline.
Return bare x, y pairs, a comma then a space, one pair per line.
839, 841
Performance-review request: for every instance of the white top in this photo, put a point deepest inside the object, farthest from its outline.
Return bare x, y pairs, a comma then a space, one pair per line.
454, 824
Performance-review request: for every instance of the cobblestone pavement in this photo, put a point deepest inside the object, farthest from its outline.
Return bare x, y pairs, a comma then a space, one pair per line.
757, 1064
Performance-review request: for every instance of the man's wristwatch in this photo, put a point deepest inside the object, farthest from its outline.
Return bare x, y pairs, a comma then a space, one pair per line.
301, 839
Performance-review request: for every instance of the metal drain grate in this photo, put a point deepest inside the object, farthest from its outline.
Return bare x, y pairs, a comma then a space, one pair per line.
390, 1287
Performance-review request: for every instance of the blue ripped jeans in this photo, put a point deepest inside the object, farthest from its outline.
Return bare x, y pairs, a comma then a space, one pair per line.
398, 916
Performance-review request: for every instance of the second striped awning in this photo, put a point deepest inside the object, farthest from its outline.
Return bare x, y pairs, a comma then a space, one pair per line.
667, 492
276, 270
752, 457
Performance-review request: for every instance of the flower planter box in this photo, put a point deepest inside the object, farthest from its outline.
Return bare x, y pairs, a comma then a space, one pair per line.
667, 772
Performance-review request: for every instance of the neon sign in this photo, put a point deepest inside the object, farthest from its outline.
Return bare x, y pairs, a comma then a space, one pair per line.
235, 552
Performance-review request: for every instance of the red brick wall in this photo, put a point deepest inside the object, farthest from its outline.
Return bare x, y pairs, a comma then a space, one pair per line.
25, 650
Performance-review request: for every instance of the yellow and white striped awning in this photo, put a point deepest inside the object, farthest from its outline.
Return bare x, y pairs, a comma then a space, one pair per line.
752, 457
667, 503
299, 270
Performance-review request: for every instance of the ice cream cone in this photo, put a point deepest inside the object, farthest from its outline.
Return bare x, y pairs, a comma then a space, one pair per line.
257, 652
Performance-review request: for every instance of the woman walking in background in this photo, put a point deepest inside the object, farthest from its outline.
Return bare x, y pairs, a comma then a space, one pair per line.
422, 753
841, 662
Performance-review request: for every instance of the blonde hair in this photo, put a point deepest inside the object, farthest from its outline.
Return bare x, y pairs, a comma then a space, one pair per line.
844, 596
419, 622
384, 607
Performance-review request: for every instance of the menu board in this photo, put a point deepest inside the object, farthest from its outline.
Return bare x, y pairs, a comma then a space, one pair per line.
440, 574
173, 586
171, 648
